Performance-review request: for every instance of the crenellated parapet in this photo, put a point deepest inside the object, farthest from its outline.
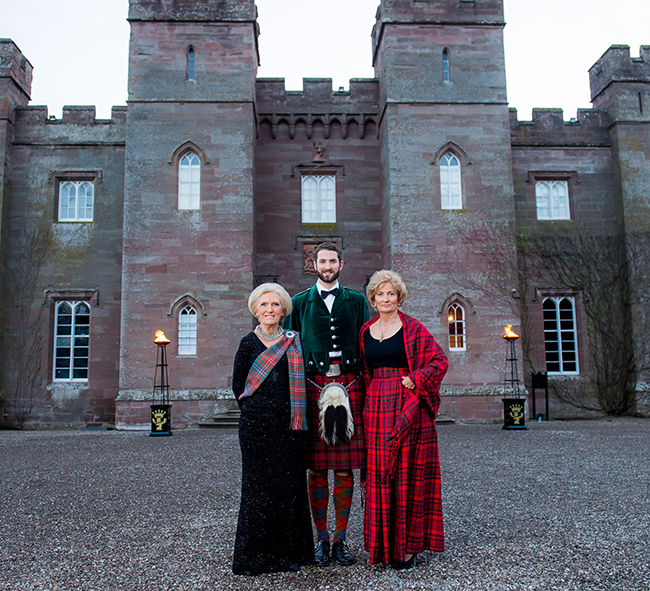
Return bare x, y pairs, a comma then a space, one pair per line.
436, 12
616, 65
316, 104
77, 126
191, 10
548, 128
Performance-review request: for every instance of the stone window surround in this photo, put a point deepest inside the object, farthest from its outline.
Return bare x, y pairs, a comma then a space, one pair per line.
451, 147
468, 310
175, 161
301, 171
57, 177
570, 177
175, 309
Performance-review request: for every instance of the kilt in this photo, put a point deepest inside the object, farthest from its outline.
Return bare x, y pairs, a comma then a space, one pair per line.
404, 515
321, 456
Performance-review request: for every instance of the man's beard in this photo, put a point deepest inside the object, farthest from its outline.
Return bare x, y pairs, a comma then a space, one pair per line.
332, 280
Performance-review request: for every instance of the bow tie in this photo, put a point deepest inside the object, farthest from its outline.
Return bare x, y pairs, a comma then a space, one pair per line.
334, 292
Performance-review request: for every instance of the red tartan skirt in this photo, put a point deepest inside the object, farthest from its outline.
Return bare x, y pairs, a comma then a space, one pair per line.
348, 456
403, 516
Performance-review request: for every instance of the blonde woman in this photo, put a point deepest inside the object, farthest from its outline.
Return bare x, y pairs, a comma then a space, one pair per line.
274, 527
403, 367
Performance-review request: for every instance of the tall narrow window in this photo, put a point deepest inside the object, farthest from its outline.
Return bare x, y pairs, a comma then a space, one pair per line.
76, 201
552, 200
318, 199
560, 338
71, 341
450, 187
456, 320
445, 66
187, 331
189, 182
190, 63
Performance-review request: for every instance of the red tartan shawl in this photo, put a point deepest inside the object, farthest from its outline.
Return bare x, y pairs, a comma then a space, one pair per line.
427, 364
266, 361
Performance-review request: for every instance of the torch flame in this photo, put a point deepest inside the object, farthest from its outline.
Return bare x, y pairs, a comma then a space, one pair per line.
508, 333
161, 339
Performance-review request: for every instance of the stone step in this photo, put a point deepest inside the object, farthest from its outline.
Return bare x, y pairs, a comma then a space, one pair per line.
223, 420
444, 420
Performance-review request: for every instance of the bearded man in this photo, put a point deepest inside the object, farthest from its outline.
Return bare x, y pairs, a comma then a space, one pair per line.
329, 317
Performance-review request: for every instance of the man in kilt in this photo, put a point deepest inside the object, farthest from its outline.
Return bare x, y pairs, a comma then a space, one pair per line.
329, 317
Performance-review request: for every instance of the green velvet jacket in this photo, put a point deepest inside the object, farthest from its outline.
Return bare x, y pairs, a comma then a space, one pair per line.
323, 332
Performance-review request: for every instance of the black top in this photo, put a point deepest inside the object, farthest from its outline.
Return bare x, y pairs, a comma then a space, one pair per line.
270, 403
388, 353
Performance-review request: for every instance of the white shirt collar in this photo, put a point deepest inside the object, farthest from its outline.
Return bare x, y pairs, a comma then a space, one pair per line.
320, 288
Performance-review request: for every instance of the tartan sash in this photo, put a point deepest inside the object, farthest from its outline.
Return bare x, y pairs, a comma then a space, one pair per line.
266, 361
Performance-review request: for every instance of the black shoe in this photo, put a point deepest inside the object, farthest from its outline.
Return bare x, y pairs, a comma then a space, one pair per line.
341, 553
397, 565
322, 553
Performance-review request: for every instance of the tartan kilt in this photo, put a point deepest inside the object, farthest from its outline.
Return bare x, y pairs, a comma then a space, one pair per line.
321, 456
403, 516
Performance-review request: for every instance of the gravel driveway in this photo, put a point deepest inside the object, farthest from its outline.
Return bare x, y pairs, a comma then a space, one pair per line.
563, 505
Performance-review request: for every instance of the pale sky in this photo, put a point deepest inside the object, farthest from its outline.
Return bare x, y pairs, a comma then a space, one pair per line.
79, 48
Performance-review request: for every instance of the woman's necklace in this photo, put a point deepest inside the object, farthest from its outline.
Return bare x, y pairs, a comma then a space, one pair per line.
269, 337
382, 332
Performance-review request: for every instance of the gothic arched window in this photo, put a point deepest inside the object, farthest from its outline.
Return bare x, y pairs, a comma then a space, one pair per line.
189, 182
450, 186
190, 63
187, 331
445, 66
456, 319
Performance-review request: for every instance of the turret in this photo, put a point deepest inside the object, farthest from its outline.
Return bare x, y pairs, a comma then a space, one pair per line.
189, 182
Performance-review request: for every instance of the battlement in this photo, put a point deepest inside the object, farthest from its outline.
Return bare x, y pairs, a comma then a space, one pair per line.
317, 96
548, 128
317, 104
78, 125
436, 12
616, 65
14, 65
441, 11
191, 10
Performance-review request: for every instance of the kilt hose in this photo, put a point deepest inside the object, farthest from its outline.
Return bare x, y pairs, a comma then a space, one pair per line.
321, 456
404, 515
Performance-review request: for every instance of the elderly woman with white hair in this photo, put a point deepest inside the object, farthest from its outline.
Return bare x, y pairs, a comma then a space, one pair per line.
274, 527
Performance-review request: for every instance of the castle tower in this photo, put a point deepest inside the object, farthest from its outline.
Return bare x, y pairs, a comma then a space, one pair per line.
447, 173
188, 211
621, 86
15, 90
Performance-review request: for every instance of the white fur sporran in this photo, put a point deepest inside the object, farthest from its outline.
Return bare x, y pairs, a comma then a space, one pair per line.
336, 424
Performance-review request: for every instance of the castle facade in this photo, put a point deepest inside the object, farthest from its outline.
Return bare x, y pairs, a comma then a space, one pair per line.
212, 180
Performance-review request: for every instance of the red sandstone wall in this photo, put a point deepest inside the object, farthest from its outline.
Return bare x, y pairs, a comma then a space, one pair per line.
352, 148
80, 256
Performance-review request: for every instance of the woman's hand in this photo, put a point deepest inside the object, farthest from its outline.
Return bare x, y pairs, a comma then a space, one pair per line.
407, 383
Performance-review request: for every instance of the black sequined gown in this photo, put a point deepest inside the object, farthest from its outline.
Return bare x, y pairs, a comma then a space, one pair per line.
274, 527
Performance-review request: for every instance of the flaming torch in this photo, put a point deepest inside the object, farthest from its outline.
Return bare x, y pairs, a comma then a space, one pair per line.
161, 419
509, 334
513, 408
